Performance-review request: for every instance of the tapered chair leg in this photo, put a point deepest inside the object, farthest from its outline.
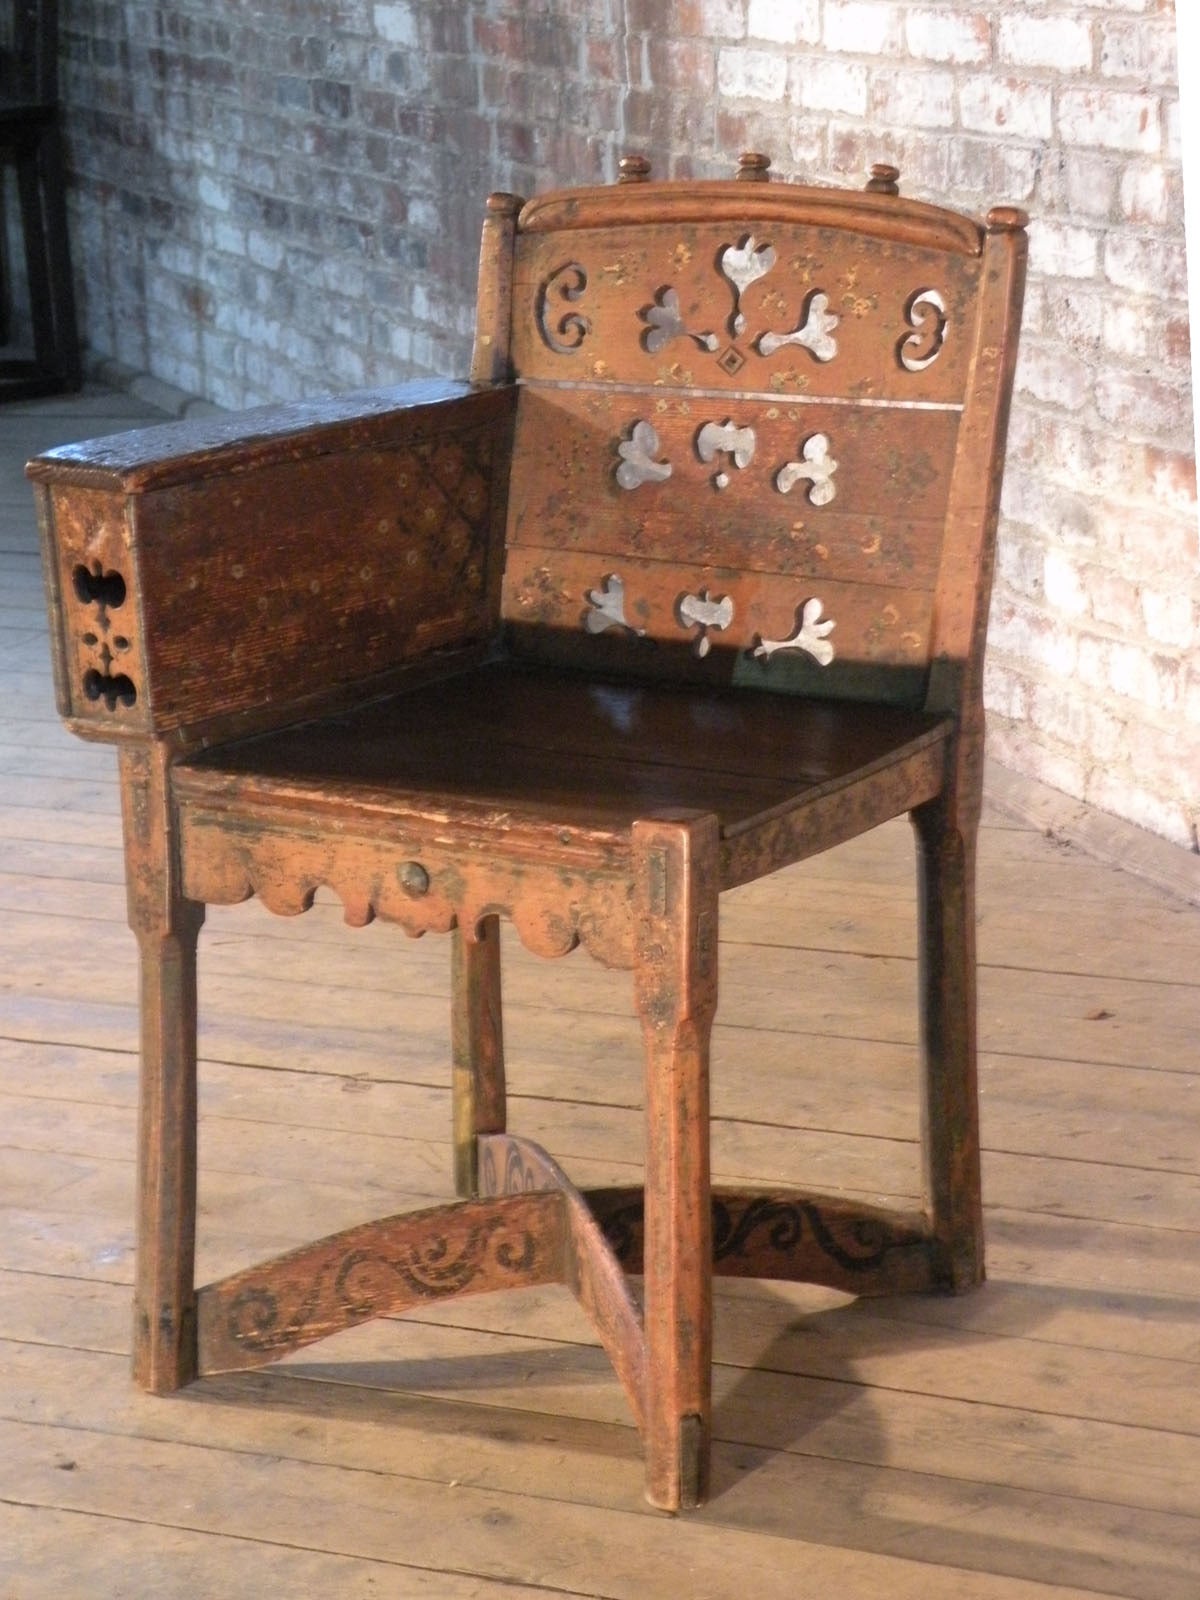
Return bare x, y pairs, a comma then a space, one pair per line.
950, 1098
477, 1042
675, 974
164, 1338
167, 927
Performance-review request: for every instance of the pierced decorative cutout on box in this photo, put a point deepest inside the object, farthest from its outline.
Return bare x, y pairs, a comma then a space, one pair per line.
925, 314
723, 438
814, 332
665, 322
94, 586
608, 608
810, 636
568, 284
105, 589
113, 688
637, 464
703, 612
816, 465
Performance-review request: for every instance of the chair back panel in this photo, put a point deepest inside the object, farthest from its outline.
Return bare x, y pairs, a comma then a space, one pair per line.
738, 432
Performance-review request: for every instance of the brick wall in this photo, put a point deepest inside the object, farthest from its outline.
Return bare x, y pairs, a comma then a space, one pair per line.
278, 200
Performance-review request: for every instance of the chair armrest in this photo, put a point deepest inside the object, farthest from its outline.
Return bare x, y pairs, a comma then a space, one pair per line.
217, 576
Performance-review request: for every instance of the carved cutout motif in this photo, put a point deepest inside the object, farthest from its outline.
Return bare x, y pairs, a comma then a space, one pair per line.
810, 636
817, 465
637, 465
723, 438
813, 333
744, 265
95, 586
703, 612
106, 590
569, 283
665, 322
921, 348
609, 608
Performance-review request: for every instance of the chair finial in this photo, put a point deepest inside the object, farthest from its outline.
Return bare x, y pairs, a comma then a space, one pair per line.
1007, 219
752, 166
633, 169
884, 179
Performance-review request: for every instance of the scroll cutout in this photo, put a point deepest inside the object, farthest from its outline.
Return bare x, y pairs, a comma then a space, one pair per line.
921, 348
813, 333
810, 636
723, 438
744, 266
608, 606
665, 322
817, 465
569, 283
637, 464
703, 612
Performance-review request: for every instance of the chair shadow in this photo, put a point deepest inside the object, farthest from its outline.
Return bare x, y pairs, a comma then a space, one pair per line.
806, 1448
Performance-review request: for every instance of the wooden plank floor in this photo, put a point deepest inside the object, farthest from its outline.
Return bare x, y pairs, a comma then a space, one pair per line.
1038, 1439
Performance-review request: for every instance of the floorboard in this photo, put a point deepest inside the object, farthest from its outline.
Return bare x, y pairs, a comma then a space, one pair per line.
1038, 1440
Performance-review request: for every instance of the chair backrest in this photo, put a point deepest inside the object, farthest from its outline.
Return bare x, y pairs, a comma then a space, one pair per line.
29, 51
759, 433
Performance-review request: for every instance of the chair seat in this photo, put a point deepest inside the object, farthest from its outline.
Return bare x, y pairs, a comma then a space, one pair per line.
543, 747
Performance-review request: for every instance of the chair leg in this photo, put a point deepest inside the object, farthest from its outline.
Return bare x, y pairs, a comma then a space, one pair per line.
950, 1101
167, 927
675, 974
164, 1341
477, 1041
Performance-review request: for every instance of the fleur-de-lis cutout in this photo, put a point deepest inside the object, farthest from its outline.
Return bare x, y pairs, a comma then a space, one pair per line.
608, 607
813, 332
702, 611
810, 636
665, 322
743, 266
637, 464
817, 465
718, 438
919, 349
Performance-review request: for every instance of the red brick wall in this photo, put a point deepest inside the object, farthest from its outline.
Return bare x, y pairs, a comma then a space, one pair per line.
283, 199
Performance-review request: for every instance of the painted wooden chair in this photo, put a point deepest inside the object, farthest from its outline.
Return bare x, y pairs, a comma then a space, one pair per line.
687, 583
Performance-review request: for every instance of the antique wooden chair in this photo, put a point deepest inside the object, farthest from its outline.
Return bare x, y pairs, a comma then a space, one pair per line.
687, 583
31, 139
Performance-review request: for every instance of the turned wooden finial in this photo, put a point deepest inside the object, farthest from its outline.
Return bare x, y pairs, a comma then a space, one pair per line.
1007, 219
884, 179
752, 166
501, 204
633, 169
